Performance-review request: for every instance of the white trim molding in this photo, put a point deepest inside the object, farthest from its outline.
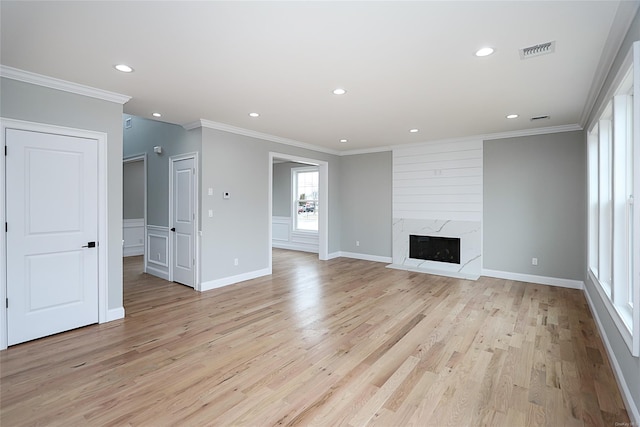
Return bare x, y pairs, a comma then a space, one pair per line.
622, 21
364, 257
531, 278
63, 85
231, 280
254, 134
132, 230
157, 267
280, 140
632, 409
115, 314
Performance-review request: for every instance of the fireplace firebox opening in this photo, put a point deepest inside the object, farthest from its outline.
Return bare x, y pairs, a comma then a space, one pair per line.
435, 248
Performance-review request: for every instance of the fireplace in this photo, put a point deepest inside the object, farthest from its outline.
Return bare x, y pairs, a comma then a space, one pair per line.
435, 248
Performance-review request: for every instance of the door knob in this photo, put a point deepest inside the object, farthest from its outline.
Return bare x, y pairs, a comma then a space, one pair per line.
173, 229
90, 245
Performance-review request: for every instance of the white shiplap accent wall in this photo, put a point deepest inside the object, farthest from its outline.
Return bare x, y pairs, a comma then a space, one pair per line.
440, 180
437, 191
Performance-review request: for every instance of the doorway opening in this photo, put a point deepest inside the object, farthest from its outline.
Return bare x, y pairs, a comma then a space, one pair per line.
298, 204
134, 206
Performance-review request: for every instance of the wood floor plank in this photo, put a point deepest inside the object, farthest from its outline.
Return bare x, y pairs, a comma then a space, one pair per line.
318, 343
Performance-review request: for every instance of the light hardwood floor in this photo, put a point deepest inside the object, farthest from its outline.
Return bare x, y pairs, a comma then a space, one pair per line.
340, 342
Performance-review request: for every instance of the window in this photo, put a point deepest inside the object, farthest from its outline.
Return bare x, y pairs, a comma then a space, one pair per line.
305, 199
613, 220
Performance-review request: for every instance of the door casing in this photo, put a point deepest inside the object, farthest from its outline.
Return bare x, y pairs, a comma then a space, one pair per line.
103, 243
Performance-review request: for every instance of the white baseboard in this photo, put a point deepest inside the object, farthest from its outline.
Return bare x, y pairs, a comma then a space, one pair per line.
632, 409
531, 278
226, 281
157, 272
294, 246
133, 250
365, 257
115, 314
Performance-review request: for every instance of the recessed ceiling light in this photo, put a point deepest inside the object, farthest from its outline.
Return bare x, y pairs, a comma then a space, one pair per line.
343, 140
254, 115
124, 68
413, 130
339, 91
512, 116
485, 51
156, 115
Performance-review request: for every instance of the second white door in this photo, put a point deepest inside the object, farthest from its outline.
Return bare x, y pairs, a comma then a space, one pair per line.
184, 220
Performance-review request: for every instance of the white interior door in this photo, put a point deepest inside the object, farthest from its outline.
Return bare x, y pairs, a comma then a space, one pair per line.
52, 229
183, 217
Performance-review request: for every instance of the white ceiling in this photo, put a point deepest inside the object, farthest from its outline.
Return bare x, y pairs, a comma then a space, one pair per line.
404, 64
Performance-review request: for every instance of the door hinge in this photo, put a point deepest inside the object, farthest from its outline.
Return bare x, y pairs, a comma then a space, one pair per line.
6, 227
5, 150
7, 302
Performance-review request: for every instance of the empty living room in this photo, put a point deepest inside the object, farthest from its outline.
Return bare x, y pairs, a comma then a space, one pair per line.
223, 213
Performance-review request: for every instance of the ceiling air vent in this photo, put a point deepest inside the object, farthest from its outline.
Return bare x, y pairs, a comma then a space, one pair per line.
536, 118
537, 50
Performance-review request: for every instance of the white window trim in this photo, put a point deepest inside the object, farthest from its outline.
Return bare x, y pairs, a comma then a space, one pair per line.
625, 317
294, 207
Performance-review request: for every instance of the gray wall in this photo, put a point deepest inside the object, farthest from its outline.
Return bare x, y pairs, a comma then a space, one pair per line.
240, 225
282, 188
534, 198
365, 203
143, 135
133, 190
629, 365
24, 101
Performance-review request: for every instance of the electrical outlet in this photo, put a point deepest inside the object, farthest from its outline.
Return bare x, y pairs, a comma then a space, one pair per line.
534, 261
235, 261
357, 242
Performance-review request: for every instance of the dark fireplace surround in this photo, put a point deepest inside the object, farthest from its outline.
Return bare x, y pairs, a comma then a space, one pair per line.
435, 248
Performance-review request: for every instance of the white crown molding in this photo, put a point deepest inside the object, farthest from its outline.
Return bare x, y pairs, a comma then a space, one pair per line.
621, 23
367, 150
63, 85
259, 135
499, 135
531, 132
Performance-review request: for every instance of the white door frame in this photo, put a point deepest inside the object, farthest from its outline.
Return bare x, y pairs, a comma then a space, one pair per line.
103, 243
141, 158
323, 200
196, 222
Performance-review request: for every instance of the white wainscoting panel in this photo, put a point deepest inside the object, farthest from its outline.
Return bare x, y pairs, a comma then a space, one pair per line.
284, 237
157, 259
281, 226
133, 236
